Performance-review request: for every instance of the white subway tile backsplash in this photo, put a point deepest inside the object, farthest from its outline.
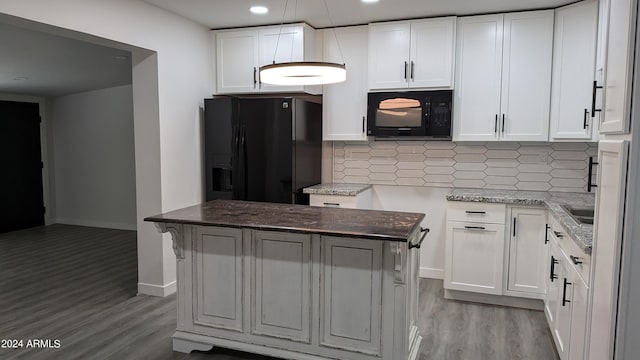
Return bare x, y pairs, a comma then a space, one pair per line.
569, 155
469, 166
501, 172
491, 165
409, 165
410, 181
411, 157
502, 154
479, 158
533, 186
440, 153
543, 177
500, 180
357, 172
383, 168
446, 170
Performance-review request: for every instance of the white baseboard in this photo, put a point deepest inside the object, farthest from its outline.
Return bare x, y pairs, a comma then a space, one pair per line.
157, 290
431, 273
99, 224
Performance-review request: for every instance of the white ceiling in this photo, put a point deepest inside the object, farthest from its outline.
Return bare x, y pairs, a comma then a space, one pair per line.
235, 13
40, 64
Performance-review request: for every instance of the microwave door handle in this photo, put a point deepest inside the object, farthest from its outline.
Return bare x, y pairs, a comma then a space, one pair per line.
427, 114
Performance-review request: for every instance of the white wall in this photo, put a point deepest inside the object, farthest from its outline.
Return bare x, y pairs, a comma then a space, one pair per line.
430, 201
93, 149
169, 83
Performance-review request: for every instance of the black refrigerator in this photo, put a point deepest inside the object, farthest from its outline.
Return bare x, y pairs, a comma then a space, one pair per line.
262, 149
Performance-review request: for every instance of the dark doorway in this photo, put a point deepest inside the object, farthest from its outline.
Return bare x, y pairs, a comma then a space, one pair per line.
21, 200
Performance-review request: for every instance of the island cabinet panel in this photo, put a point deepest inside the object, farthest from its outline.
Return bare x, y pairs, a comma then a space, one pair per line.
282, 285
218, 265
351, 285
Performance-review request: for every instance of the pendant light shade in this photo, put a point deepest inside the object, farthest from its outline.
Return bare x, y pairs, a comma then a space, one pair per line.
303, 73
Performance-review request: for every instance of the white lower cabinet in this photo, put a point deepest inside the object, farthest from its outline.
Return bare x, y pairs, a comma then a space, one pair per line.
527, 251
486, 253
474, 257
566, 303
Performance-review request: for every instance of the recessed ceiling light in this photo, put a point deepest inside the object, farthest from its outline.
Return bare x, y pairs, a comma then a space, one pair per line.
369, 1
259, 9
21, 78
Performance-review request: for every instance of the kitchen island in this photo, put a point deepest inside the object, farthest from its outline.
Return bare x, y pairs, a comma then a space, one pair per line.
296, 282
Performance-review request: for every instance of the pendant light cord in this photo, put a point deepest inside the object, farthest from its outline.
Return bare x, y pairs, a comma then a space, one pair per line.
286, 2
334, 31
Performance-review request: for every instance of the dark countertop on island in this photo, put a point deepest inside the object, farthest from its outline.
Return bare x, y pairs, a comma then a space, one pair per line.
369, 224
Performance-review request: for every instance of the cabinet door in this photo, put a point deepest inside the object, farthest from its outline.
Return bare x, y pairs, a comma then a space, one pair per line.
432, 46
282, 285
351, 294
607, 246
562, 330
474, 254
618, 68
527, 251
389, 55
578, 319
237, 61
477, 78
574, 57
344, 105
281, 44
553, 287
526, 76
218, 281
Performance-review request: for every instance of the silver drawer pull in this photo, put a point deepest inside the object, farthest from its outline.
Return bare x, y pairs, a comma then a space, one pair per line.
328, 204
474, 227
476, 212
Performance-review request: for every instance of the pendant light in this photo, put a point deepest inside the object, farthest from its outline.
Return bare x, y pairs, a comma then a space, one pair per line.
304, 72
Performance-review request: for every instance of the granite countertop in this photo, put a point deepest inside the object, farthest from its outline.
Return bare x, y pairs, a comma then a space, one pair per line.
369, 224
581, 233
337, 189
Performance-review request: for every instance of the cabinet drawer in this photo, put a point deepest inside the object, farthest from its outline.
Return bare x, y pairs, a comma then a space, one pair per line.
349, 202
476, 212
578, 259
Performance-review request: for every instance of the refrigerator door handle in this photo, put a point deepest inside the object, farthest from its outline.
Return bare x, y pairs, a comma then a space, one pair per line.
234, 161
243, 164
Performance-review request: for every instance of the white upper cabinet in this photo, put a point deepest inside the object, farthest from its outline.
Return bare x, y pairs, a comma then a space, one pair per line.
344, 105
503, 77
415, 54
240, 53
478, 74
237, 55
618, 66
574, 61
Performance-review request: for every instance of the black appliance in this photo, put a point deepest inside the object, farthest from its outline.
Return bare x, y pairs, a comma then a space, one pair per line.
410, 114
262, 149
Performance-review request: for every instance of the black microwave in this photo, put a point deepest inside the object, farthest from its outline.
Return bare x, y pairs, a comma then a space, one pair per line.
410, 114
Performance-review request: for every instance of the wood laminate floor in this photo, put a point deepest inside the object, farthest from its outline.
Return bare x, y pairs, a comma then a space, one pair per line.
78, 285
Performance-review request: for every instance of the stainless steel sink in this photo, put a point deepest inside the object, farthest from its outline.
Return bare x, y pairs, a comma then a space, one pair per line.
581, 215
